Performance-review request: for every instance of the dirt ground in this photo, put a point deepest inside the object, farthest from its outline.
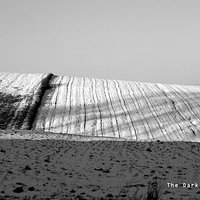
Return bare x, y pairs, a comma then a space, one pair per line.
73, 169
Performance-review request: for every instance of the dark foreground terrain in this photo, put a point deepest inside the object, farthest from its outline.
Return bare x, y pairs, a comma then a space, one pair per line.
61, 169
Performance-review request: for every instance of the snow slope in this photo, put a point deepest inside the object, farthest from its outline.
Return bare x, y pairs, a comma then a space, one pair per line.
121, 109
20, 96
100, 108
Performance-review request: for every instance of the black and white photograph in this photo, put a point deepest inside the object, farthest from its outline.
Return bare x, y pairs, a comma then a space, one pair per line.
99, 99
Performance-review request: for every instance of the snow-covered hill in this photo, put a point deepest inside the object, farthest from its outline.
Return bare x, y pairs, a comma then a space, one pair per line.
98, 107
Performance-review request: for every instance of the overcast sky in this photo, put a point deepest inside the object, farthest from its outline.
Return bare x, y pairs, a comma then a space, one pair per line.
143, 40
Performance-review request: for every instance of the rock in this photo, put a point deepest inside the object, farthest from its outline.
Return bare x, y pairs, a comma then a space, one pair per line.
18, 189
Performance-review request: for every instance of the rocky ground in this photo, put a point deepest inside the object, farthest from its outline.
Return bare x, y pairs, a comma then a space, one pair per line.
96, 169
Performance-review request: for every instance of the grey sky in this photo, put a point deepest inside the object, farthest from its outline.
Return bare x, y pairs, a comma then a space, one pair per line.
143, 40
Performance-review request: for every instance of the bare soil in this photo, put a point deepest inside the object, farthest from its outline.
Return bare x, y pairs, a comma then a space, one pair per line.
74, 169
